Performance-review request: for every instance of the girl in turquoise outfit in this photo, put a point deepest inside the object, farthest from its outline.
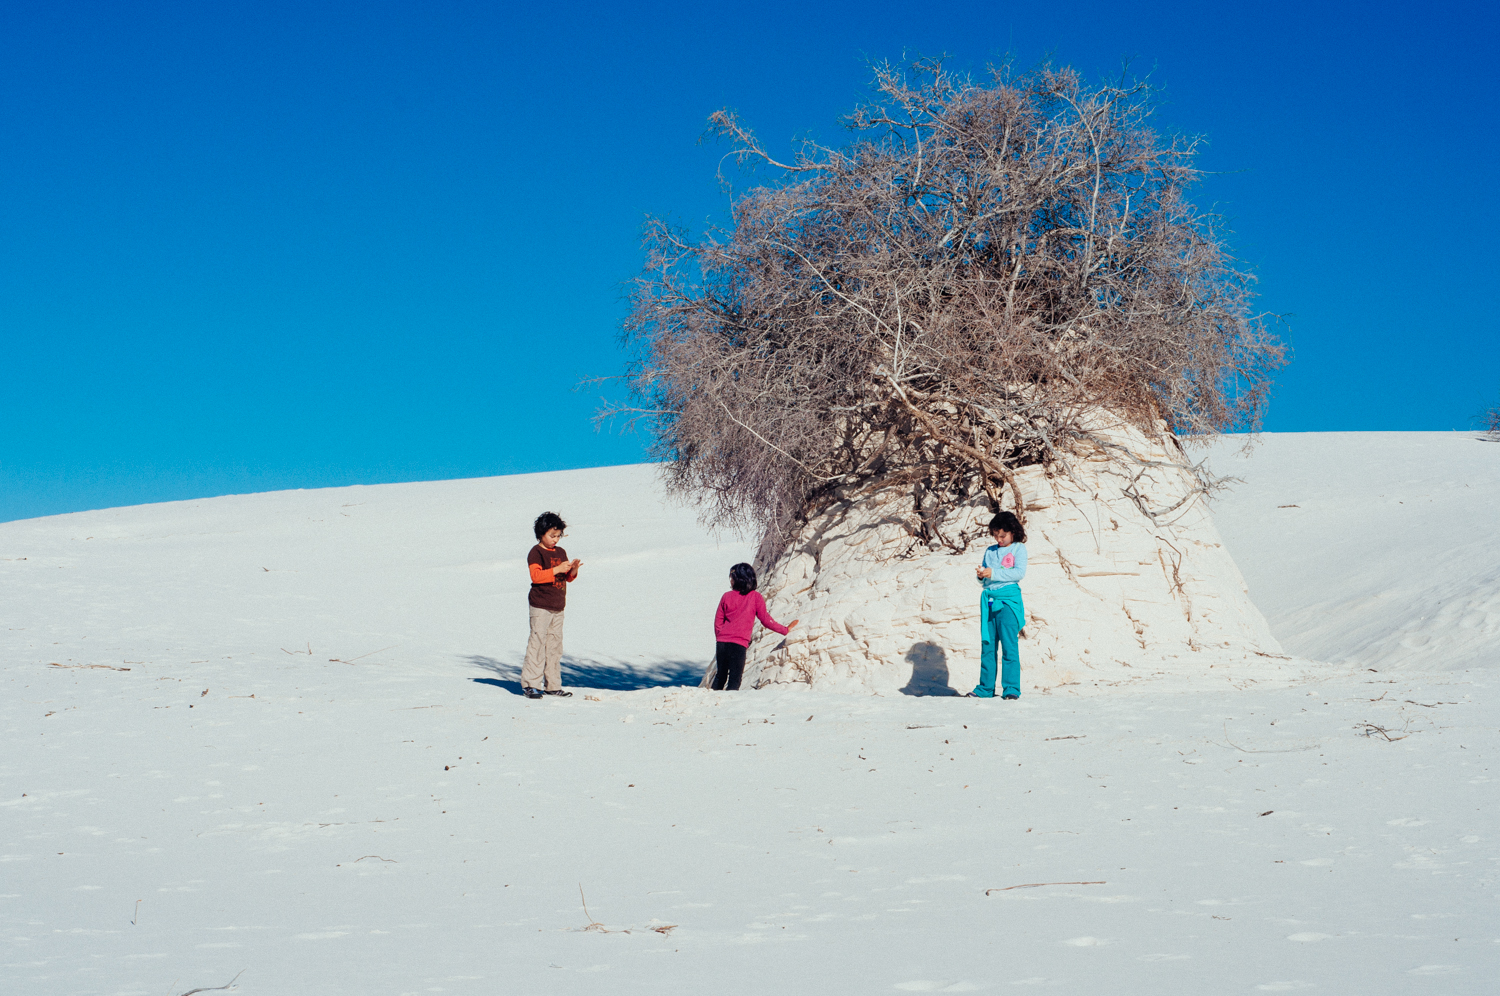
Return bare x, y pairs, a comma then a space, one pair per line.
1001, 611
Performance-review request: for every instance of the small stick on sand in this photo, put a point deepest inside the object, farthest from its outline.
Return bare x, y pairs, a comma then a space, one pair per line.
209, 989
1038, 885
593, 924
1248, 750
340, 660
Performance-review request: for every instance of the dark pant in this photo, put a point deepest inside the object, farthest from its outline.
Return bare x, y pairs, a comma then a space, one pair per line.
729, 666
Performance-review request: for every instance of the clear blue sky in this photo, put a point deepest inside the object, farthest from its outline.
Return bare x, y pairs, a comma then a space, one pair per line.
253, 246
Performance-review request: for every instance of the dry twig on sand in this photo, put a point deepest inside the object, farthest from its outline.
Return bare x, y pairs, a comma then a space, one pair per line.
340, 660
1370, 730
664, 929
104, 667
1249, 750
593, 924
1038, 885
208, 989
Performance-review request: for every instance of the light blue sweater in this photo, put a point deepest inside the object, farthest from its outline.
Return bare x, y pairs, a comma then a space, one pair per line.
1001, 576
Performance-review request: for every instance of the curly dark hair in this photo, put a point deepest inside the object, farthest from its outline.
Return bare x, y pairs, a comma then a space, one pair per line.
547, 521
742, 579
1008, 522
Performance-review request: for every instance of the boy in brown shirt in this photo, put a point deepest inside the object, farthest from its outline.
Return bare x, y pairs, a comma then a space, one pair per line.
551, 570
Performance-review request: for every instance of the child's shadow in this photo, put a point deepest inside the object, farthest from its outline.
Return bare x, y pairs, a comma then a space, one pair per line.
622, 677
929, 671
514, 687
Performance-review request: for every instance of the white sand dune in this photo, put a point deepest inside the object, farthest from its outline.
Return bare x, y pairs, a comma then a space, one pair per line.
1375, 548
195, 782
434, 573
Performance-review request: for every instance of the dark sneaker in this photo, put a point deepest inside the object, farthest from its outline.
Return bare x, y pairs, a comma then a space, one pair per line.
971, 695
558, 691
1010, 696
532, 693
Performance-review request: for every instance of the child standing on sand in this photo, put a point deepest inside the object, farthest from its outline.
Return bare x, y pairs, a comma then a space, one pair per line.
1001, 612
734, 624
551, 570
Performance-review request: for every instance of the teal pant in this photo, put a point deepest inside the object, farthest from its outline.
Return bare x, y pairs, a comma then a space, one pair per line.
1003, 620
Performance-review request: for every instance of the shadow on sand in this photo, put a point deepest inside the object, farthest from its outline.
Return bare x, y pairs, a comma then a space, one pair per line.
929, 671
616, 677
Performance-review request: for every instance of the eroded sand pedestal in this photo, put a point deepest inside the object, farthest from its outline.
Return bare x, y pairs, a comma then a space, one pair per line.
1111, 594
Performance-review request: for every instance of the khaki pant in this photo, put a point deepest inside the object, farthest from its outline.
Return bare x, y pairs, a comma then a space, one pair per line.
544, 651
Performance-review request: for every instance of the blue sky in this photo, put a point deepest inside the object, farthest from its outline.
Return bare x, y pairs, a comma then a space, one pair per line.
247, 247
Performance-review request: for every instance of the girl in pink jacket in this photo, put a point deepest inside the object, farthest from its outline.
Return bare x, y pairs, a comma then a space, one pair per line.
734, 624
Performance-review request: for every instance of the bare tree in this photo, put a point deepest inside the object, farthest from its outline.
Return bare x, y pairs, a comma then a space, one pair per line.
963, 289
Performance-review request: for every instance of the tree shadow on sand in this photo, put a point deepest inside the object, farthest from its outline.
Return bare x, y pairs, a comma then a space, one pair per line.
929, 671
616, 677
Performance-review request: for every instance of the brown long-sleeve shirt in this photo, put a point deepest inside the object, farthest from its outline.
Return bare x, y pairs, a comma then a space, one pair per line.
548, 589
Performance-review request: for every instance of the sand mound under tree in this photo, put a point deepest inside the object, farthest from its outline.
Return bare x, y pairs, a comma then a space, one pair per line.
1127, 579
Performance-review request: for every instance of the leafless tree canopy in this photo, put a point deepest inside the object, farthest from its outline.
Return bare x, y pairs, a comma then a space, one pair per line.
959, 291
